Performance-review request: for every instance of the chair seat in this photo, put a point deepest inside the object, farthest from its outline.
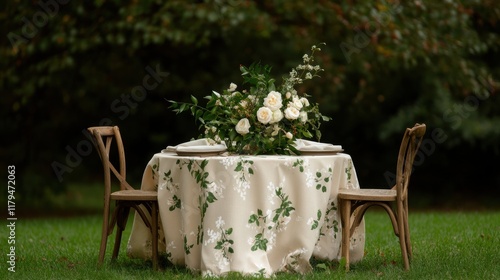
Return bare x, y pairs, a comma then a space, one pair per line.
135, 195
368, 194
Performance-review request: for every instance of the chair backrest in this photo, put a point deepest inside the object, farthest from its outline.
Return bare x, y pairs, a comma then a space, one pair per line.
410, 144
103, 141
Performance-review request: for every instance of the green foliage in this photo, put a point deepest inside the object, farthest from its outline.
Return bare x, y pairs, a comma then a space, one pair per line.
388, 64
265, 223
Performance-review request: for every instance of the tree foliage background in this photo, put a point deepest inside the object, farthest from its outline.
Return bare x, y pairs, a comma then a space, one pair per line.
67, 65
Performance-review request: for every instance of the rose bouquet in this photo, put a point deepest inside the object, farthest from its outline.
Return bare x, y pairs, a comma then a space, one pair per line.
264, 118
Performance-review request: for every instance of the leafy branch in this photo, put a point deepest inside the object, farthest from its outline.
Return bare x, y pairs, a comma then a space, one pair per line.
284, 210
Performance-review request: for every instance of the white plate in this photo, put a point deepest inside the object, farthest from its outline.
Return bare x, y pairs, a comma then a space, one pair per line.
320, 153
197, 154
200, 150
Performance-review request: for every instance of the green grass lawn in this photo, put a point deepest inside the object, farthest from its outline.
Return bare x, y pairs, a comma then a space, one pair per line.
446, 245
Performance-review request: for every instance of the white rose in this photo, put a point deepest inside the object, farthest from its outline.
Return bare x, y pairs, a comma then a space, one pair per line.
292, 113
232, 87
297, 103
277, 116
273, 100
243, 126
264, 115
304, 101
303, 117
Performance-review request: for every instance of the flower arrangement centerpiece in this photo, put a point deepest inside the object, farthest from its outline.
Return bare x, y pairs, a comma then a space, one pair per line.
263, 118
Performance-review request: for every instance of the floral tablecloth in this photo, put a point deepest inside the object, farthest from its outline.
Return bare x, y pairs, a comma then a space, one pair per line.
251, 214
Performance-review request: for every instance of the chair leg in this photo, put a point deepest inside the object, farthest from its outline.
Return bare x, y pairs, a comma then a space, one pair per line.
154, 233
345, 217
402, 237
104, 234
121, 223
407, 234
116, 247
404, 252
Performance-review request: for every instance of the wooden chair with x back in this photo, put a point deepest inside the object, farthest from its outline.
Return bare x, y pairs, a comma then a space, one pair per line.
355, 202
126, 197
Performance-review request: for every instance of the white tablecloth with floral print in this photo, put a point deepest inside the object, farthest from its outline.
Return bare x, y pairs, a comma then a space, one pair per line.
251, 214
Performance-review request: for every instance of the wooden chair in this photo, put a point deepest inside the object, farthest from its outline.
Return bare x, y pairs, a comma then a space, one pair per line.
355, 202
144, 202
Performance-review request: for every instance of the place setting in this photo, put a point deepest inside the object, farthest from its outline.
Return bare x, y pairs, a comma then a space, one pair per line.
205, 148
200, 147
